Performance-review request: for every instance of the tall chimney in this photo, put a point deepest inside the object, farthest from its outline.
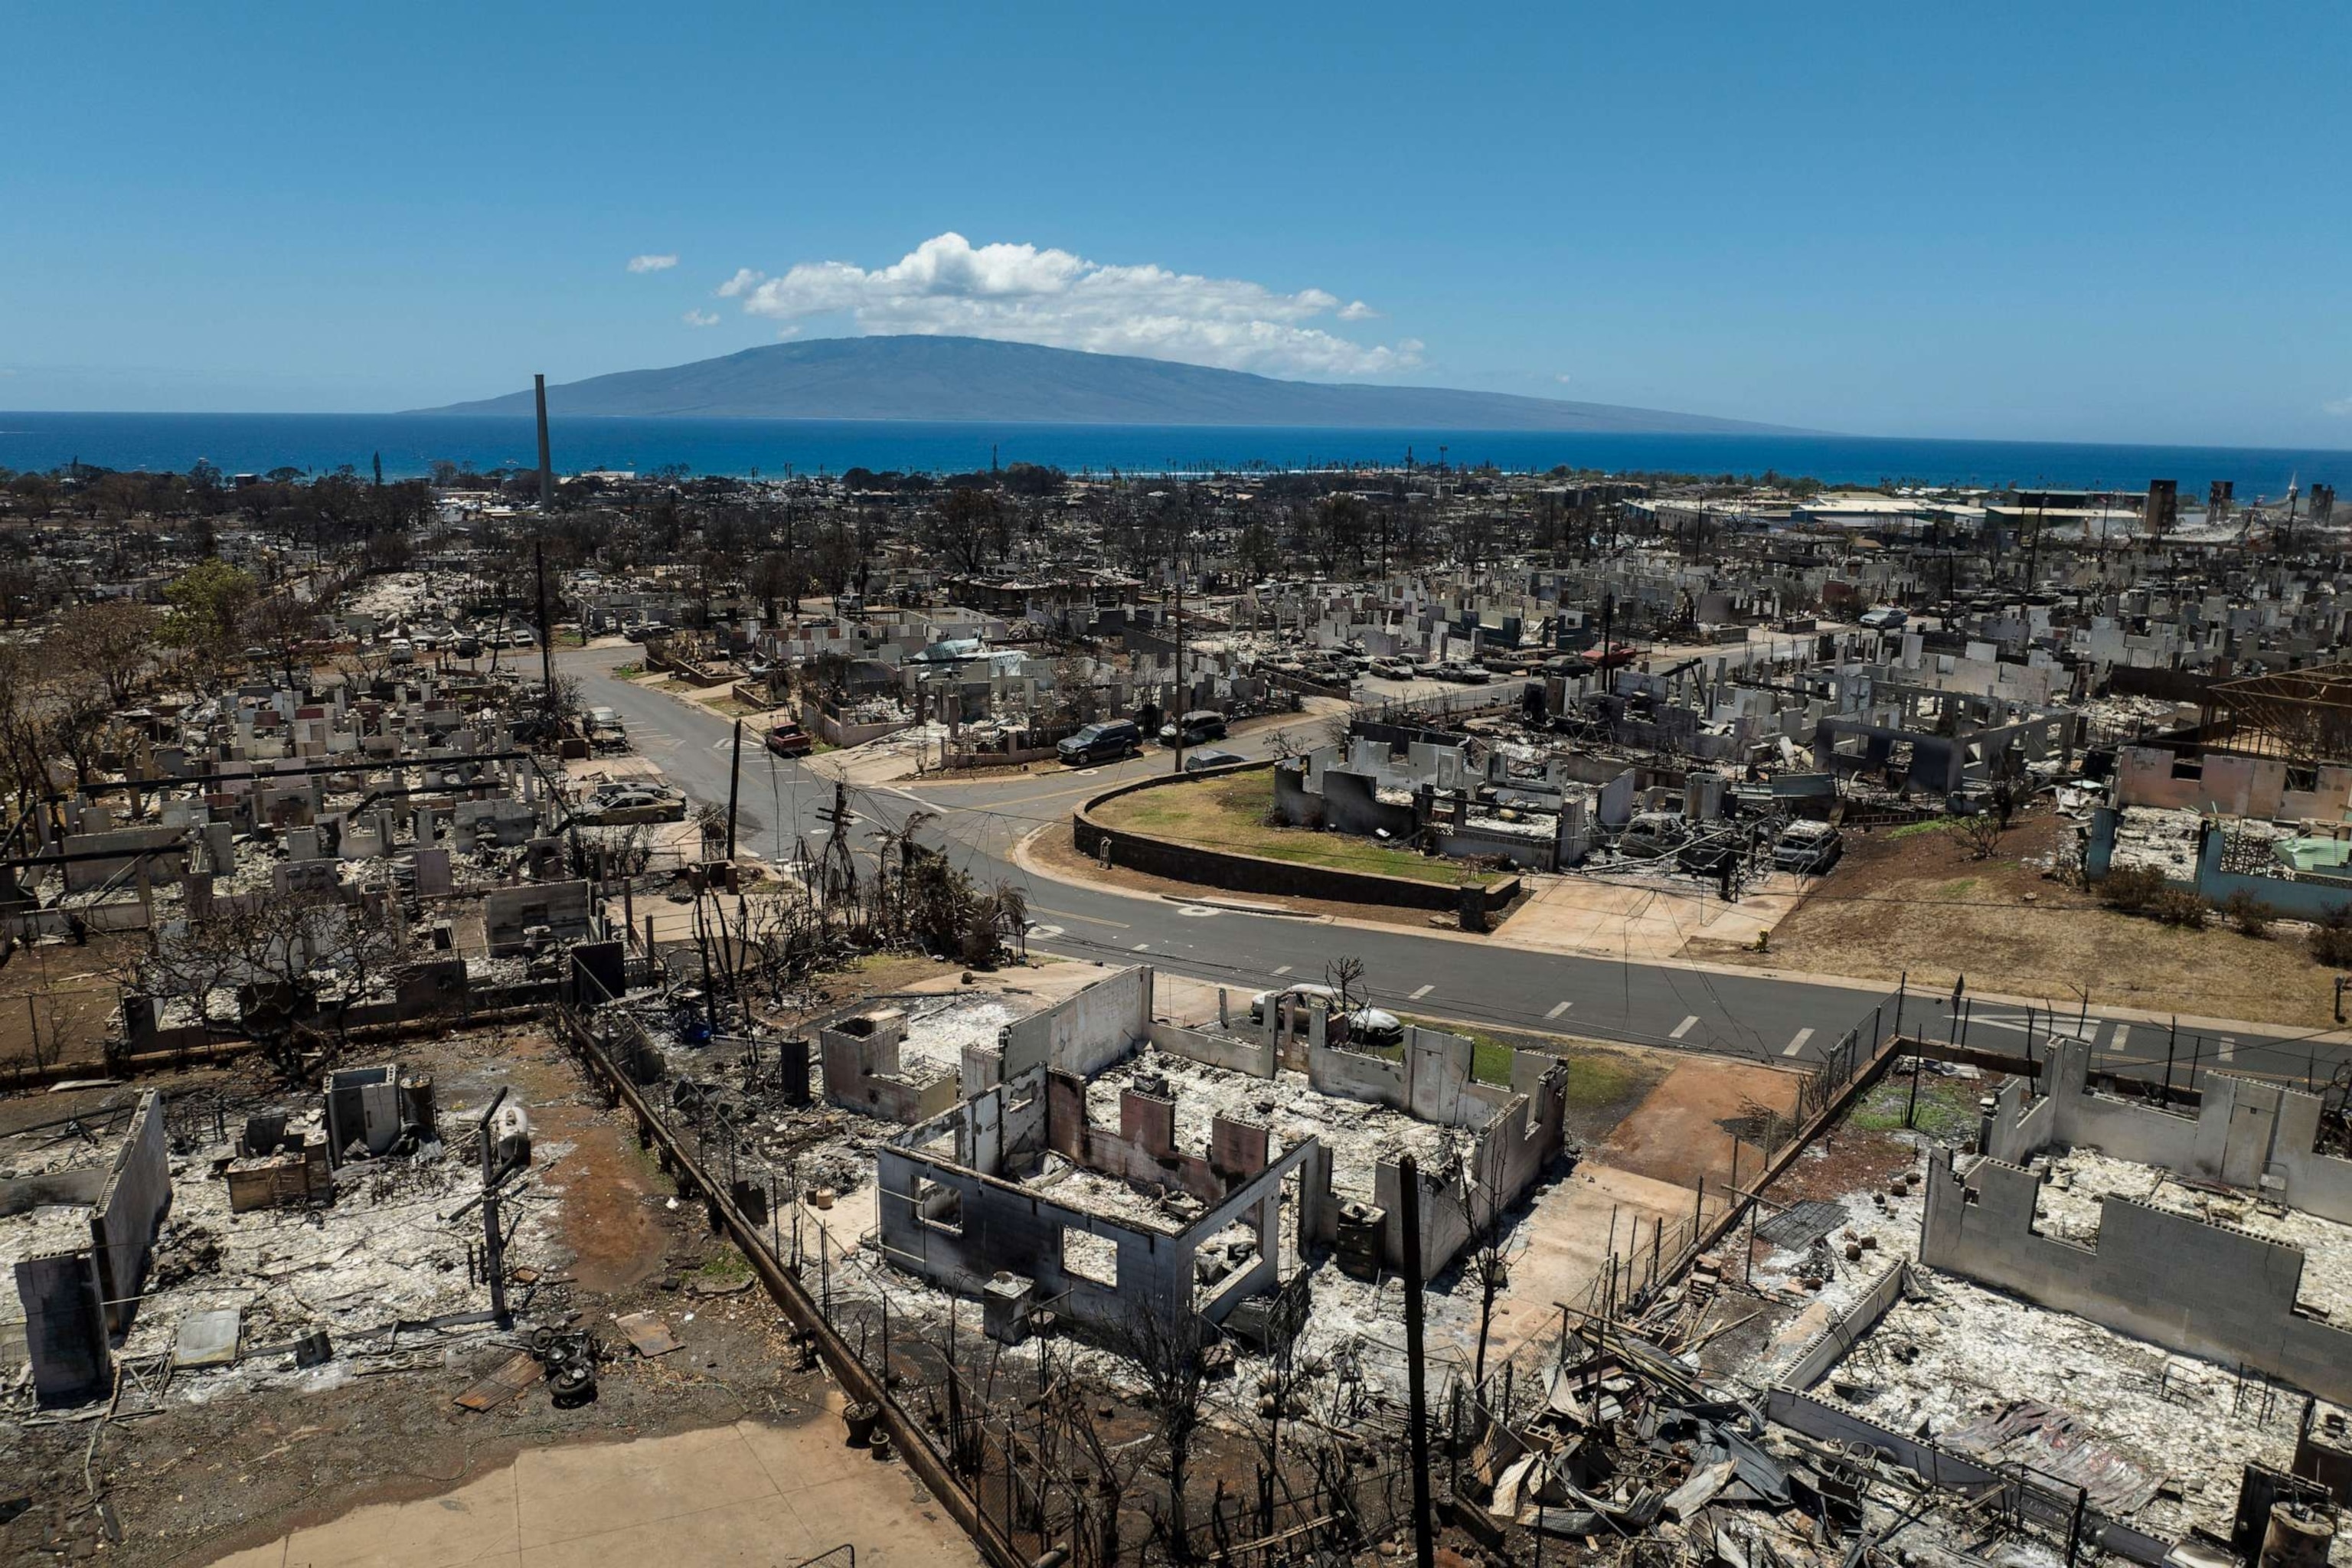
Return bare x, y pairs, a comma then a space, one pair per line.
546, 471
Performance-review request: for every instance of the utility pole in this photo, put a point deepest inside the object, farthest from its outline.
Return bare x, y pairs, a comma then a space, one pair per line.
546, 468
1424, 1532
734, 779
494, 1241
546, 643
1181, 696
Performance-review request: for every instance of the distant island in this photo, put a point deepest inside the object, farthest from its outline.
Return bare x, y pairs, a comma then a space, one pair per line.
976, 379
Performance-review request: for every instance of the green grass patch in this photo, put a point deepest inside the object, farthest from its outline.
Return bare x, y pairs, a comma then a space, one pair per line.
1958, 888
1948, 1107
1594, 1077
627, 671
1230, 814
1914, 829
726, 1266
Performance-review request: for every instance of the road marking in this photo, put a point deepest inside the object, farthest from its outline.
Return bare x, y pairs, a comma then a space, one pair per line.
2123, 1033
1073, 915
2229, 1049
1685, 1027
1044, 932
1560, 1009
1422, 993
2041, 1026
1197, 912
1793, 1046
1142, 947
1283, 971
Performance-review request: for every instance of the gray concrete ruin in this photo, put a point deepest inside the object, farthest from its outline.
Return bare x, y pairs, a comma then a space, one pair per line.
81, 1241
2207, 1289
1024, 1194
2246, 1133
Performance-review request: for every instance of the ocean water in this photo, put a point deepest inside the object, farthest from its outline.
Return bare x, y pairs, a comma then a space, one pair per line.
410, 444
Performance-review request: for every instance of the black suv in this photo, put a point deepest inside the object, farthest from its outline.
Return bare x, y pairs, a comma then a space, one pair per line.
1104, 742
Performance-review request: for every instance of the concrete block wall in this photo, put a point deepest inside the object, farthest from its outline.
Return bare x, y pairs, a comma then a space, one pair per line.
1144, 1149
65, 1326
1427, 1081
1230, 1052
863, 1073
128, 1210
2206, 1289
2246, 1133
509, 912
1086, 1032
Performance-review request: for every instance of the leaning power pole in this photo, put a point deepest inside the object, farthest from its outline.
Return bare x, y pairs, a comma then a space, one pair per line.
546, 468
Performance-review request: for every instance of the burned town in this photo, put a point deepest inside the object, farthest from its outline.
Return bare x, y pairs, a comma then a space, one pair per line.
1288, 1017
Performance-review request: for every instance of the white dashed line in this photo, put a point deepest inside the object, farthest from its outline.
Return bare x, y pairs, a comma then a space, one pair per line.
1283, 971
1142, 947
2229, 1049
1793, 1046
1558, 1008
1685, 1027
2123, 1033
1422, 993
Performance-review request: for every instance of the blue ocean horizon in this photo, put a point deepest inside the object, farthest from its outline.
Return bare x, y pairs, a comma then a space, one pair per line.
411, 444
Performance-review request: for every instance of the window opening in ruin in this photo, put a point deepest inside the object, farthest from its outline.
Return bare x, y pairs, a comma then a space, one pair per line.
1091, 1257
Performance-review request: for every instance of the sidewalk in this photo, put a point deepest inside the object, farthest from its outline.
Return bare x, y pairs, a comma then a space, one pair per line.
749, 1493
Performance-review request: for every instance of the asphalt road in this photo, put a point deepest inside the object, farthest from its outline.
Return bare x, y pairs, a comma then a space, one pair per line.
1758, 1017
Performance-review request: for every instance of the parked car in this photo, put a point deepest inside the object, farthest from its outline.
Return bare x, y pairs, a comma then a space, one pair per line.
1193, 728
1366, 1025
1463, 674
1885, 618
1209, 757
1617, 654
1104, 742
1808, 848
1652, 834
791, 741
1392, 668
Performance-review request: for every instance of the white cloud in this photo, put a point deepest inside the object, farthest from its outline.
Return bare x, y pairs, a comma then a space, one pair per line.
1563, 378
2339, 406
948, 285
651, 263
701, 318
1356, 310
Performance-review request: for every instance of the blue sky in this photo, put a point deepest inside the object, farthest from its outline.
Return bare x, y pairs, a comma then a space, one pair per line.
2068, 221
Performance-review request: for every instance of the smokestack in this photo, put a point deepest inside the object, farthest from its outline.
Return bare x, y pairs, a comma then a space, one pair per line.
546, 471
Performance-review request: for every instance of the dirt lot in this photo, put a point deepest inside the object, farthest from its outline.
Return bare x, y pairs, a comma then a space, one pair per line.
1684, 1127
1914, 902
60, 997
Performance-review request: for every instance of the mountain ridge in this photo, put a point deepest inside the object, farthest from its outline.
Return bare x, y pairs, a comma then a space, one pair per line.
955, 380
